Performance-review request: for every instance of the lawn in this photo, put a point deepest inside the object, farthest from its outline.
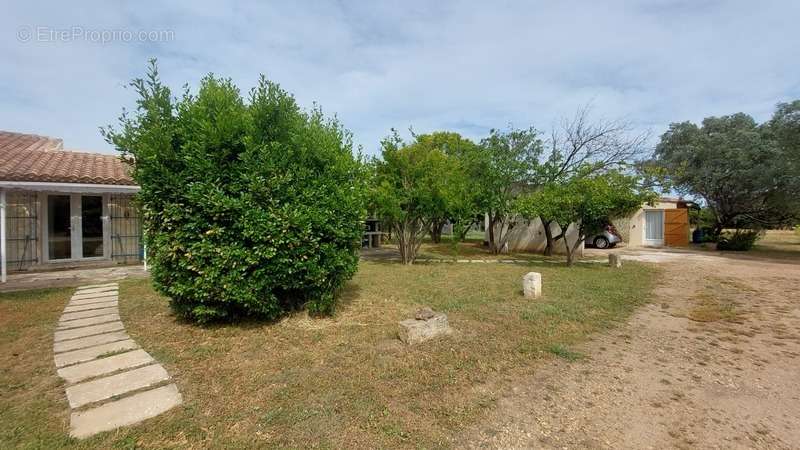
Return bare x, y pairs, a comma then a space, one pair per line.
339, 382
773, 244
471, 248
781, 244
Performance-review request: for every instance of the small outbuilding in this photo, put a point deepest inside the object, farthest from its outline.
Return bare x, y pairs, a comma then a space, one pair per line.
664, 224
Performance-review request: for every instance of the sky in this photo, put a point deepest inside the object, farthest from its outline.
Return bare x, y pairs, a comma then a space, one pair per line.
464, 66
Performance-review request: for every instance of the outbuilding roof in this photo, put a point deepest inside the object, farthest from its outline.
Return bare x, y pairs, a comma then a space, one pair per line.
32, 158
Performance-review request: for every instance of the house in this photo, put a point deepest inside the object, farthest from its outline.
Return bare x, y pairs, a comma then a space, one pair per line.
61, 208
664, 224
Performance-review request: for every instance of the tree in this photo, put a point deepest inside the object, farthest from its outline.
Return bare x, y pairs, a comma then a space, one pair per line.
509, 160
784, 130
250, 207
738, 168
414, 185
587, 202
462, 199
582, 146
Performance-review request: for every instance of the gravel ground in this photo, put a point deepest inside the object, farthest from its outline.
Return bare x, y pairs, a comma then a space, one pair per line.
713, 362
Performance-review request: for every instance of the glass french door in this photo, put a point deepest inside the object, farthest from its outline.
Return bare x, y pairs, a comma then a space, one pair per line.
74, 227
59, 227
654, 227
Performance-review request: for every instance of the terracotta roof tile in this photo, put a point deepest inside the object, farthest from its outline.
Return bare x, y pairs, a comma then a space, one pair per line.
28, 157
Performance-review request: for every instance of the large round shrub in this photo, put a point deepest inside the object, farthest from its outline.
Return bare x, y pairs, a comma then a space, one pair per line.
251, 207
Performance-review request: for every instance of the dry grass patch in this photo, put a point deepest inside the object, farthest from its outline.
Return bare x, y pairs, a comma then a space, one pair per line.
717, 302
347, 381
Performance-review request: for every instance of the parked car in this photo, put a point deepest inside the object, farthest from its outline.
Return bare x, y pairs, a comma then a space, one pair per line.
608, 237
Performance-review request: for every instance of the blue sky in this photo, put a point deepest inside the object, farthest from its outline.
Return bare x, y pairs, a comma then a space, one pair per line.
462, 66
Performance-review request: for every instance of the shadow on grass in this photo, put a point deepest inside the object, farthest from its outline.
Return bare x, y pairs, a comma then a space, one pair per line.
343, 299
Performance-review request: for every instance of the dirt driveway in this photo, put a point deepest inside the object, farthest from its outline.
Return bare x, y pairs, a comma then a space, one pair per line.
713, 362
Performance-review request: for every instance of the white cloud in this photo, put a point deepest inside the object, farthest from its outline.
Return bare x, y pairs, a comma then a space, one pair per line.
466, 66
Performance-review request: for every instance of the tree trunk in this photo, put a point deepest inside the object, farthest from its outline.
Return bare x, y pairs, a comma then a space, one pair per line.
491, 234
548, 234
573, 248
436, 230
406, 242
551, 240
570, 257
498, 240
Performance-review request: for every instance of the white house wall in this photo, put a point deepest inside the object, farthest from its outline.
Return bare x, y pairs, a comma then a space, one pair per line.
530, 237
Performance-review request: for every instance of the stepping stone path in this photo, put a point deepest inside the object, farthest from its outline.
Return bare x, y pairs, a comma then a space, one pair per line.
111, 382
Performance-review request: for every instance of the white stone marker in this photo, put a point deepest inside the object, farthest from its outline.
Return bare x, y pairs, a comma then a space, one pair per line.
532, 285
614, 261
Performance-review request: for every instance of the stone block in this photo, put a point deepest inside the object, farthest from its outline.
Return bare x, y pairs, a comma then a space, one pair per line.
532, 285
414, 331
614, 260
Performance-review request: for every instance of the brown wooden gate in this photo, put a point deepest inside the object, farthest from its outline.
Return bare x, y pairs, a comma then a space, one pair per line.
676, 227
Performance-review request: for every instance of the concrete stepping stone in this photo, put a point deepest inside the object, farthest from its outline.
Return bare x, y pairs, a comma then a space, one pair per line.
126, 411
90, 306
96, 320
96, 290
90, 353
121, 383
111, 382
75, 344
91, 296
99, 294
94, 295
89, 313
102, 366
86, 301
74, 333
92, 286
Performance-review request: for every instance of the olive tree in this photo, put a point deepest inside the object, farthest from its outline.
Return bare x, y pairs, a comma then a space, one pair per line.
744, 172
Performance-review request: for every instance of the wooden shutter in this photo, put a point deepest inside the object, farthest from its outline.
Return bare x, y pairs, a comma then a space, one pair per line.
676, 227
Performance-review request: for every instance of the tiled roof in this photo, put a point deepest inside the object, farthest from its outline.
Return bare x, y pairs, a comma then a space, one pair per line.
27, 157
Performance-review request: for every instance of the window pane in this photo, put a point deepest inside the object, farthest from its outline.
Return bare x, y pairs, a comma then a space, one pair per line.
92, 224
59, 227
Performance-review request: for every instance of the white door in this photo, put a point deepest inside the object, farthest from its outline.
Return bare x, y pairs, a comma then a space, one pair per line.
654, 227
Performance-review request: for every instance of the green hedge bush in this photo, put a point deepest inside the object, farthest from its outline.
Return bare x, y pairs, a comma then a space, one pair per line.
251, 207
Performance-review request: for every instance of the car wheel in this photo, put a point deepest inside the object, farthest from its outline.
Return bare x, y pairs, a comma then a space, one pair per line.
600, 242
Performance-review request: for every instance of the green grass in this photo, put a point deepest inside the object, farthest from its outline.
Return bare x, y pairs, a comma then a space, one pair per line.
563, 352
338, 382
